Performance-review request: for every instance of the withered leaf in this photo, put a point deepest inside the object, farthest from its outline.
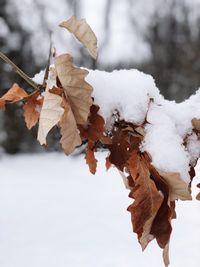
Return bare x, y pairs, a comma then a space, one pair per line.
196, 124
90, 159
83, 32
69, 131
198, 196
147, 199
76, 89
178, 189
50, 115
14, 94
166, 255
32, 109
95, 127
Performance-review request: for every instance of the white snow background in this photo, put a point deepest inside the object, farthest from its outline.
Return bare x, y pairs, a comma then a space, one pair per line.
54, 213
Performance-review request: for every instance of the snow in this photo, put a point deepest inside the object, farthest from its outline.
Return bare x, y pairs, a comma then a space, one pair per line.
168, 132
53, 212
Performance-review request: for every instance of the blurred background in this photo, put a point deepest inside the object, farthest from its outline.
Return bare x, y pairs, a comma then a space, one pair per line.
161, 38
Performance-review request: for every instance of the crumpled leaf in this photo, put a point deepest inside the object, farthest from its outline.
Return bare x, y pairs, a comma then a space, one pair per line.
14, 94
76, 89
178, 189
69, 131
147, 199
50, 115
32, 109
83, 33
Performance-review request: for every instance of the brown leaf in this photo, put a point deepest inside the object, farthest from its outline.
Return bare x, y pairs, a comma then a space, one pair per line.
122, 145
2, 103
50, 115
69, 131
14, 94
94, 129
83, 33
196, 124
178, 189
91, 160
56, 91
32, 109
166, 255
147, 199
76, 89
198, 196
108, 163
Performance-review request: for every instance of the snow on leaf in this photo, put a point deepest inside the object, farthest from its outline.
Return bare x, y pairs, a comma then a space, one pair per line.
178, 189
76, 89
69, 131
83, 32
50, 115
31, 110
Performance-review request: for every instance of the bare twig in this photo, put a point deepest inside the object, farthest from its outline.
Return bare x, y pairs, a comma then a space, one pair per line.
19, 71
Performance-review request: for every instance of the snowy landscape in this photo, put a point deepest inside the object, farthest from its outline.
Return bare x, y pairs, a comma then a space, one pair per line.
53, 212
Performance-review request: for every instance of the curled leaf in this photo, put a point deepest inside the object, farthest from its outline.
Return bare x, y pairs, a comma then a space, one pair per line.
14, 94
178, 189
76, 89
83, 32
50, 115
32, 109
69, 131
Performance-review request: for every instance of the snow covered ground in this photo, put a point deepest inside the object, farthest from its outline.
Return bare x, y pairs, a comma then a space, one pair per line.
54, 213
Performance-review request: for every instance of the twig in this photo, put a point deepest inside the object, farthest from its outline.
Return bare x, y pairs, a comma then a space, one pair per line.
19, 71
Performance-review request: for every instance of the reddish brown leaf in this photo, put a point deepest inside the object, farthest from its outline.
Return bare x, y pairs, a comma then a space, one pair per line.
32, 109
14, 94
56, 90
108, 163
91, 160
198, 196
147, 199
94, 129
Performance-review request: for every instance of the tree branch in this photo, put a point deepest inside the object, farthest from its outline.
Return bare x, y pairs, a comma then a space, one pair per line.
19, 71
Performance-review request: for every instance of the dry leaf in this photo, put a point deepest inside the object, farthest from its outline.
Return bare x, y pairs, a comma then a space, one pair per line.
69, 131
32, 109
147, 199
90, 159
83, 33
50, 115
95, 127
14, 94
166, 255
178, 189
76, 89
198, 196
196, 124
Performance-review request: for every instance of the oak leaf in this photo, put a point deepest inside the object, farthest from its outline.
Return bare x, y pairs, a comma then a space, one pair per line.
83, 32
50, 115
32, 109
14, 94
178, 189
76, 89
90, 159
147, 199
196, 124
69, 131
